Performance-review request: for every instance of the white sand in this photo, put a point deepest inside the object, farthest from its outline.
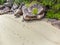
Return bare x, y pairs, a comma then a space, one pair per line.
15, 32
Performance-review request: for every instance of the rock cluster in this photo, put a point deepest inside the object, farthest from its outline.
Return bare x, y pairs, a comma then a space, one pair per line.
25, 11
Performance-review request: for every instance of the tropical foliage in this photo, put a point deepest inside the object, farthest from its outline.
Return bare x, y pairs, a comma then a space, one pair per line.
2, 1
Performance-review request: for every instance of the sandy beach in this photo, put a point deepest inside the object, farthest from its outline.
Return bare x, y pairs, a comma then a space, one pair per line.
15, 32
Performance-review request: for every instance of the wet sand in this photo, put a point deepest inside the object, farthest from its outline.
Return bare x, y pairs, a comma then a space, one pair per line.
15, 32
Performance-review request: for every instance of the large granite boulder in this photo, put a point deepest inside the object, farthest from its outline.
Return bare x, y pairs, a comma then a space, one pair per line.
27, 12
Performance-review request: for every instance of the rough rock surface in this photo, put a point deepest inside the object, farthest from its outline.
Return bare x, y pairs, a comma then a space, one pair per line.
14, 7
1, 7
5, 10
19, 11
27, 12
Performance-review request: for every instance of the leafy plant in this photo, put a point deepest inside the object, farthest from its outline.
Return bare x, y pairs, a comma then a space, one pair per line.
27, 5
57, 16
50, 14
56, 7
48, 2
2, 1
18, 2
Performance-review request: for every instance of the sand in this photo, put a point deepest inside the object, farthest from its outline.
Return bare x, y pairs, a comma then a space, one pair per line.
15, 32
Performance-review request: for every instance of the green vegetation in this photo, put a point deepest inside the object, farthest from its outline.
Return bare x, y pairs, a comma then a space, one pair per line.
18, 2
53, 8
29, 4
2, 1
34, 11
51, 14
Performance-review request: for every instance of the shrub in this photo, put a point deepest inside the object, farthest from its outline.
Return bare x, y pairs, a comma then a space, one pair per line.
51, 14
34, 2
56, 7
2, 1
18, 2
57, 16
28, 4
48, 2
